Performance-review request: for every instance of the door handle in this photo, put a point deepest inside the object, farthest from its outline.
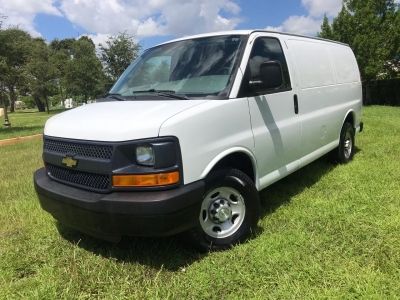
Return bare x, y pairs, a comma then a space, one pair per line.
296, 104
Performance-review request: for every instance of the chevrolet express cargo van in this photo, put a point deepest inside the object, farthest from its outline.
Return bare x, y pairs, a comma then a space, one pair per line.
194, 129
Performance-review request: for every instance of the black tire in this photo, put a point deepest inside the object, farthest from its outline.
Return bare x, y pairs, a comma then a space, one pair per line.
345, 151
227, 180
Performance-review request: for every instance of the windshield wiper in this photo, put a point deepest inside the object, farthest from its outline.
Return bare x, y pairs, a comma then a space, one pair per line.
118, 97
164, 93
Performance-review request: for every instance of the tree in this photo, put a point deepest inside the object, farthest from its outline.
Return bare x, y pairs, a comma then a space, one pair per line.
3, 68
2, 18
45, 72
65, 45
84, 73
371, 28
42, 74
14, 52
326, 30
118, 53
61, 54
3, 95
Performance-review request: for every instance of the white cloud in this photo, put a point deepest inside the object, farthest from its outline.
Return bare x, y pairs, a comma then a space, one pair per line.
317, 8
98, 38
311, 23
143, 18
304, 25
152, 17
22, 13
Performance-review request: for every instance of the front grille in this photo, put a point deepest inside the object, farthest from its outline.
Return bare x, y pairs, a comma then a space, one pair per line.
85, 150
85, 180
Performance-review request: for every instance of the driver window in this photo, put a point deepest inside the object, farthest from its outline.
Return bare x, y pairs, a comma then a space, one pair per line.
264, 49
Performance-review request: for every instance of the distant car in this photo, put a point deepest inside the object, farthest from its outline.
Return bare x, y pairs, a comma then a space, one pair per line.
192, 131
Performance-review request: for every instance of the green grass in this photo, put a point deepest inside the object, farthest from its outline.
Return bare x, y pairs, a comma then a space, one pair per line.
23, 123
327, 231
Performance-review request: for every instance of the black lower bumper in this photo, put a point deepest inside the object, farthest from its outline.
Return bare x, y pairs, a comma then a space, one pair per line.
110, 216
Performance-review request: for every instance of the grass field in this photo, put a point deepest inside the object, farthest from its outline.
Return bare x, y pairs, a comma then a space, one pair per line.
327, 231
26, 122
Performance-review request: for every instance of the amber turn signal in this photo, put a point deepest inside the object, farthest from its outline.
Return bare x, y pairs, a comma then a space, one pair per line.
146, 180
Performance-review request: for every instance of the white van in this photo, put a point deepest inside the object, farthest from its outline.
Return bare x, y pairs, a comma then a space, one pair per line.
194, 129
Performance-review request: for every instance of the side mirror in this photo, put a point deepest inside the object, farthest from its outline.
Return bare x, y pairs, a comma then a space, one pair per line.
270, 76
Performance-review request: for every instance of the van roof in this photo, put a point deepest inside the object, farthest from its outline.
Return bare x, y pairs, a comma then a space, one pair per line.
248, 32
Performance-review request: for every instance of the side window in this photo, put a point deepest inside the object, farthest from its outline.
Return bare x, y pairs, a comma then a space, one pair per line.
265, 50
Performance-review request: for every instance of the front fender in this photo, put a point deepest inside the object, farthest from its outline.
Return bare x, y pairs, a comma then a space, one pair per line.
226, 153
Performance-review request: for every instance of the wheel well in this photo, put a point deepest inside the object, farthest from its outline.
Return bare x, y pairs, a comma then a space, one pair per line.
239, 161
350, 119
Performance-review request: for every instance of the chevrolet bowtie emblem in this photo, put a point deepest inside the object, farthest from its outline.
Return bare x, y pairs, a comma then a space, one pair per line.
69, 161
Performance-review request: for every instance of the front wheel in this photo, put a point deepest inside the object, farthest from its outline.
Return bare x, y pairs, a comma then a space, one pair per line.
229, 211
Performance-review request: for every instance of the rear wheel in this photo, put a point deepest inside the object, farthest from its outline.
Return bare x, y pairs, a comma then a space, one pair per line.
229, 211
345, 151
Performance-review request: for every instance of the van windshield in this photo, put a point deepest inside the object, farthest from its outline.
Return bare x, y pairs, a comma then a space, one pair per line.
201, 67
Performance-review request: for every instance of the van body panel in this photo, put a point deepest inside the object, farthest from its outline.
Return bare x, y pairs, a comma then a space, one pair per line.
115, 121
276, 126
276, 132
328, 87
209, 130
225, 154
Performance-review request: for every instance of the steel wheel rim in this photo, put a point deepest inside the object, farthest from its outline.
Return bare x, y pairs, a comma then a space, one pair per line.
348, 145
222, 212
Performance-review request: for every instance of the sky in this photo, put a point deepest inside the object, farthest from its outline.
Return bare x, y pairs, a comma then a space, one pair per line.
156, 21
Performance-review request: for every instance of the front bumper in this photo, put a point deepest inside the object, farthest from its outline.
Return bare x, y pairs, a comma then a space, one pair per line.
110, 216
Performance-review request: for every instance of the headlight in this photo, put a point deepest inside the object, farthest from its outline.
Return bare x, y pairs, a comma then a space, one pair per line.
145, 155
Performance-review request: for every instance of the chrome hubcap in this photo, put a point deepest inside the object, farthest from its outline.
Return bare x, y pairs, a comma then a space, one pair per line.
348, 145
222, 212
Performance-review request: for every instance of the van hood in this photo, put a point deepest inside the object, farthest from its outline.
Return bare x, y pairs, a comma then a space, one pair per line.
116, 121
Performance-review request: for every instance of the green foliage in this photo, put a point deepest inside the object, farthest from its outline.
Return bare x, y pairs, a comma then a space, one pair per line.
118, 53
41, 73
1, 20
371, 28
56, 101
14, 54
3, 69
326, 30
84, 74
49, 73
65, 45
62, 51
29, 101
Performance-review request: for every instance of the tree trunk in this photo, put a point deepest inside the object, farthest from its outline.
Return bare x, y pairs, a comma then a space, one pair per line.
40, 105
6, 120
13, 98
61, 93
47, 104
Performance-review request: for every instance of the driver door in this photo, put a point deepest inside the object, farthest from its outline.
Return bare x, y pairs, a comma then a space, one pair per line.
274, 115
